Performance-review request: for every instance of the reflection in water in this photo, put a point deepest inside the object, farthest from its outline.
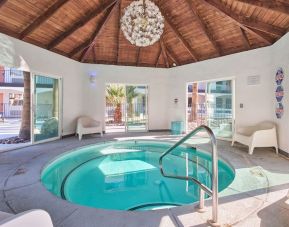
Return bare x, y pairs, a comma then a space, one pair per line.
122, 171
127, 173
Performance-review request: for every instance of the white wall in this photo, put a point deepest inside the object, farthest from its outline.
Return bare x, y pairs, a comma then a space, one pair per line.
280, 58
80, 97
166, 85
238, 67
15, 53
156, 79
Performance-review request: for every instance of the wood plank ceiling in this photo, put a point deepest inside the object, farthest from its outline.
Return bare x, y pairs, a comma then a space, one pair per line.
195, 30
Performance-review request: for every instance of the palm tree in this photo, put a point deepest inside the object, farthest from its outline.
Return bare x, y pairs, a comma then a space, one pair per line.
24, 132
130, 95
115, 96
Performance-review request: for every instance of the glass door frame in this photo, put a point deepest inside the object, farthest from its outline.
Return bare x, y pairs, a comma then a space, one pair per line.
146, 110
33, 74
147, 106
233, 79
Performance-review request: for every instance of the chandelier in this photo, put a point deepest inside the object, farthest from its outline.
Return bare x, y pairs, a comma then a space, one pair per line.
142, 23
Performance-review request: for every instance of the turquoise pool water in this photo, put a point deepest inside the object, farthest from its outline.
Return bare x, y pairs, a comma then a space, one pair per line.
126, 175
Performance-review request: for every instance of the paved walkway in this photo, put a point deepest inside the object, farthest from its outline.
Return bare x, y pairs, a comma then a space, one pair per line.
256, 197
9, 128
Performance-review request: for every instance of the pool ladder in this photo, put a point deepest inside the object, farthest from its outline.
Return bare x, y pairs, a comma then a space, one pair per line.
213, 191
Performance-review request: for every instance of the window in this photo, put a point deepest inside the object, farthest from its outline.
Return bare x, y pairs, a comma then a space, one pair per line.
228, 103
15, 99
219, 102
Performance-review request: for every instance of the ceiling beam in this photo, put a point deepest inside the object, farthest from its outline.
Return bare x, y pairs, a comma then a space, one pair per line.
159, 55
2, 3
265, 35
245, 39
79, 48
83, 21
44, 17
204, 27
82, 54
98, 30
138, 56
218, 7
94, 54
268, 4
247, 21
169, 19
164, 52
118, 33
263, 27
9, 32
28, 40
165, 59
107, 62
172, 56
92, 37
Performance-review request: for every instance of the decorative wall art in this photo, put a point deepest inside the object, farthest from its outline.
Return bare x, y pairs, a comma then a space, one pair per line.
279, 110
279, 93
279, 76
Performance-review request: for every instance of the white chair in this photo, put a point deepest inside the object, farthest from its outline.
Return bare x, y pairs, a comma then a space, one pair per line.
260, 135
32, 218
87, 125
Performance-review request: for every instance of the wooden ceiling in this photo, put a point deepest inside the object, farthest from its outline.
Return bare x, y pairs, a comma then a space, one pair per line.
195, 30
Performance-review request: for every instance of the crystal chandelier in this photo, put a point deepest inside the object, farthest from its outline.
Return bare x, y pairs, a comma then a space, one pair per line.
142, 23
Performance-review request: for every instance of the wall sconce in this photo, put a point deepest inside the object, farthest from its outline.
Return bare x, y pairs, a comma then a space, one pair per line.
176, 100
92, 78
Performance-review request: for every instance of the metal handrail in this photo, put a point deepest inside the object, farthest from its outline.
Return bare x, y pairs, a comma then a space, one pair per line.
213, 191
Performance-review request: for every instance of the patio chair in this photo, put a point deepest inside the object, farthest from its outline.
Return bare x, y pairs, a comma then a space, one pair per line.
30, 218
260, 135
87, 125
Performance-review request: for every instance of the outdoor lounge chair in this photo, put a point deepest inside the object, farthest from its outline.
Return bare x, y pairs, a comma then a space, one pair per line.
32, 218
87, 125
260, 135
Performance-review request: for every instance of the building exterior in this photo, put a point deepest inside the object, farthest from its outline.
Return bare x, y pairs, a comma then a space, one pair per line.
11, 93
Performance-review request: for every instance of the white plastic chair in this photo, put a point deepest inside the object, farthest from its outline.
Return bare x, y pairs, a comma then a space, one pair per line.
261, 135
32, 218
87, 125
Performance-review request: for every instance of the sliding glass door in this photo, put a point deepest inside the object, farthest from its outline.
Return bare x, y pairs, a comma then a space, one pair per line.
210, 103
136, 105
219, 107
46, 108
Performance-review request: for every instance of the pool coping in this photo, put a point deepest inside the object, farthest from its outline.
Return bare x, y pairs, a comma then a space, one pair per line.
18, 193
108, 143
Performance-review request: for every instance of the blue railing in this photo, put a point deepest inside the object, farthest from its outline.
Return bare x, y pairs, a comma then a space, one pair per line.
215, 116
8, 110
11, 76
43, 111
138, 113
15, 76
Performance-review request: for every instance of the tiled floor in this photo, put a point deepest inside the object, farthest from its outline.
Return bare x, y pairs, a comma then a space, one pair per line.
257, 196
